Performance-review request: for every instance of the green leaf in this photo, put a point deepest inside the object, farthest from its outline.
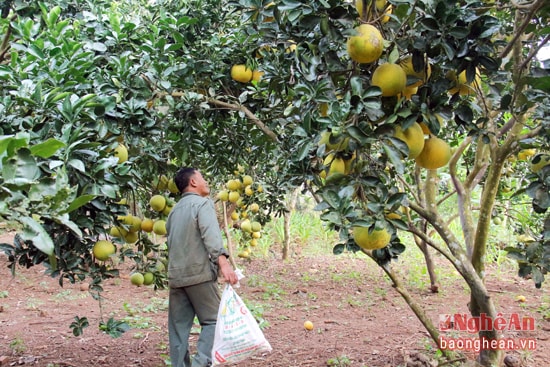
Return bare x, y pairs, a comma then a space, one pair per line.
459, 32
53, 16
114, 20
356, 86
395, 158
21, 169
64, 219
35, 51
47, 148
331, 198
430, 23
339, 249
79, 202
33, 231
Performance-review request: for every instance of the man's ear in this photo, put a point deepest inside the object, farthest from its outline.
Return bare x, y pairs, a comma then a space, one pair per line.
192, 182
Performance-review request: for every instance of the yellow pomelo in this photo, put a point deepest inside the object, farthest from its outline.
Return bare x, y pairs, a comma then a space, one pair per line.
172, 186
367, 45
161, 183
122, 201
425, 128
262, 50
254, 242
233, 185
223, 195
349, 163
387, 13
244, 254
461, 86
413, 136
255, 227
393, 216
246, 225
159, 227
137, 279
333, 142
167, 209
147, 225
118, 232
131, 237
133, 222
422, 75
256, 235
539, 161
338, 165
409, 91
103, 249
234, 196
257, 75
241, 73
436, 154
380, 6
247, 180
291, 47
335, 164
121, 152
157, 203
376, 239
148, 278
391, 78
525, 154
235, 216
254, 207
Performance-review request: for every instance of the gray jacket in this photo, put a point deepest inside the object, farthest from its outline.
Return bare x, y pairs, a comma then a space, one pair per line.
194, 241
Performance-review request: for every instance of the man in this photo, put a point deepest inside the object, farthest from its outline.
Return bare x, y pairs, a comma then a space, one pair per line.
196, 255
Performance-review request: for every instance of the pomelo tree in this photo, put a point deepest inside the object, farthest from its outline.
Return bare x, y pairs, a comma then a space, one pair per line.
81, 79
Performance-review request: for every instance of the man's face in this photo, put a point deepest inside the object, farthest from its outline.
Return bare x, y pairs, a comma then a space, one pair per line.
201, 185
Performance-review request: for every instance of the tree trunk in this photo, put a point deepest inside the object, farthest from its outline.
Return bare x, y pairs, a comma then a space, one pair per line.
286, 234
430, 190
291, 203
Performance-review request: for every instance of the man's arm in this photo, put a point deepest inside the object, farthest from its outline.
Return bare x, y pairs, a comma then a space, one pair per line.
226, 270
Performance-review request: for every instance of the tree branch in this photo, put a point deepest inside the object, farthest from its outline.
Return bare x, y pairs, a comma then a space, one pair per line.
5, 42
248, 113
527, 20
534, 52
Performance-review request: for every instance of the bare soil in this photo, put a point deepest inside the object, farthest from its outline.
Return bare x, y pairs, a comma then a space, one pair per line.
359, 319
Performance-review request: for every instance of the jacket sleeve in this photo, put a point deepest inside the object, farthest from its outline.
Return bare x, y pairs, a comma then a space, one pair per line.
210, 231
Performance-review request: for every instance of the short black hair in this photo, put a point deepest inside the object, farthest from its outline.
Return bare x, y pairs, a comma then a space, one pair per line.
183, 176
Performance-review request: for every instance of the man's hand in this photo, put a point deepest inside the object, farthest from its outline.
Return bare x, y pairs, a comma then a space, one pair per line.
227, 271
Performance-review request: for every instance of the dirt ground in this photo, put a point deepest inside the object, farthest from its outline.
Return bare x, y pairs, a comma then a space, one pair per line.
359, 319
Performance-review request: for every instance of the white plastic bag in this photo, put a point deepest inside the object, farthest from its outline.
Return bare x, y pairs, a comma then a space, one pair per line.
238, 335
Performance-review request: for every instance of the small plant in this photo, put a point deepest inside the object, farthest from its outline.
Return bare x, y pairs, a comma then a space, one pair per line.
272, 292
341, 361
544, 308
350, 300
113, 327
17, 346
78, 325
257, 310
4, 294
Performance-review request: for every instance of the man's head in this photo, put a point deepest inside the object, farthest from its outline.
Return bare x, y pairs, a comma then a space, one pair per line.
189, 179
